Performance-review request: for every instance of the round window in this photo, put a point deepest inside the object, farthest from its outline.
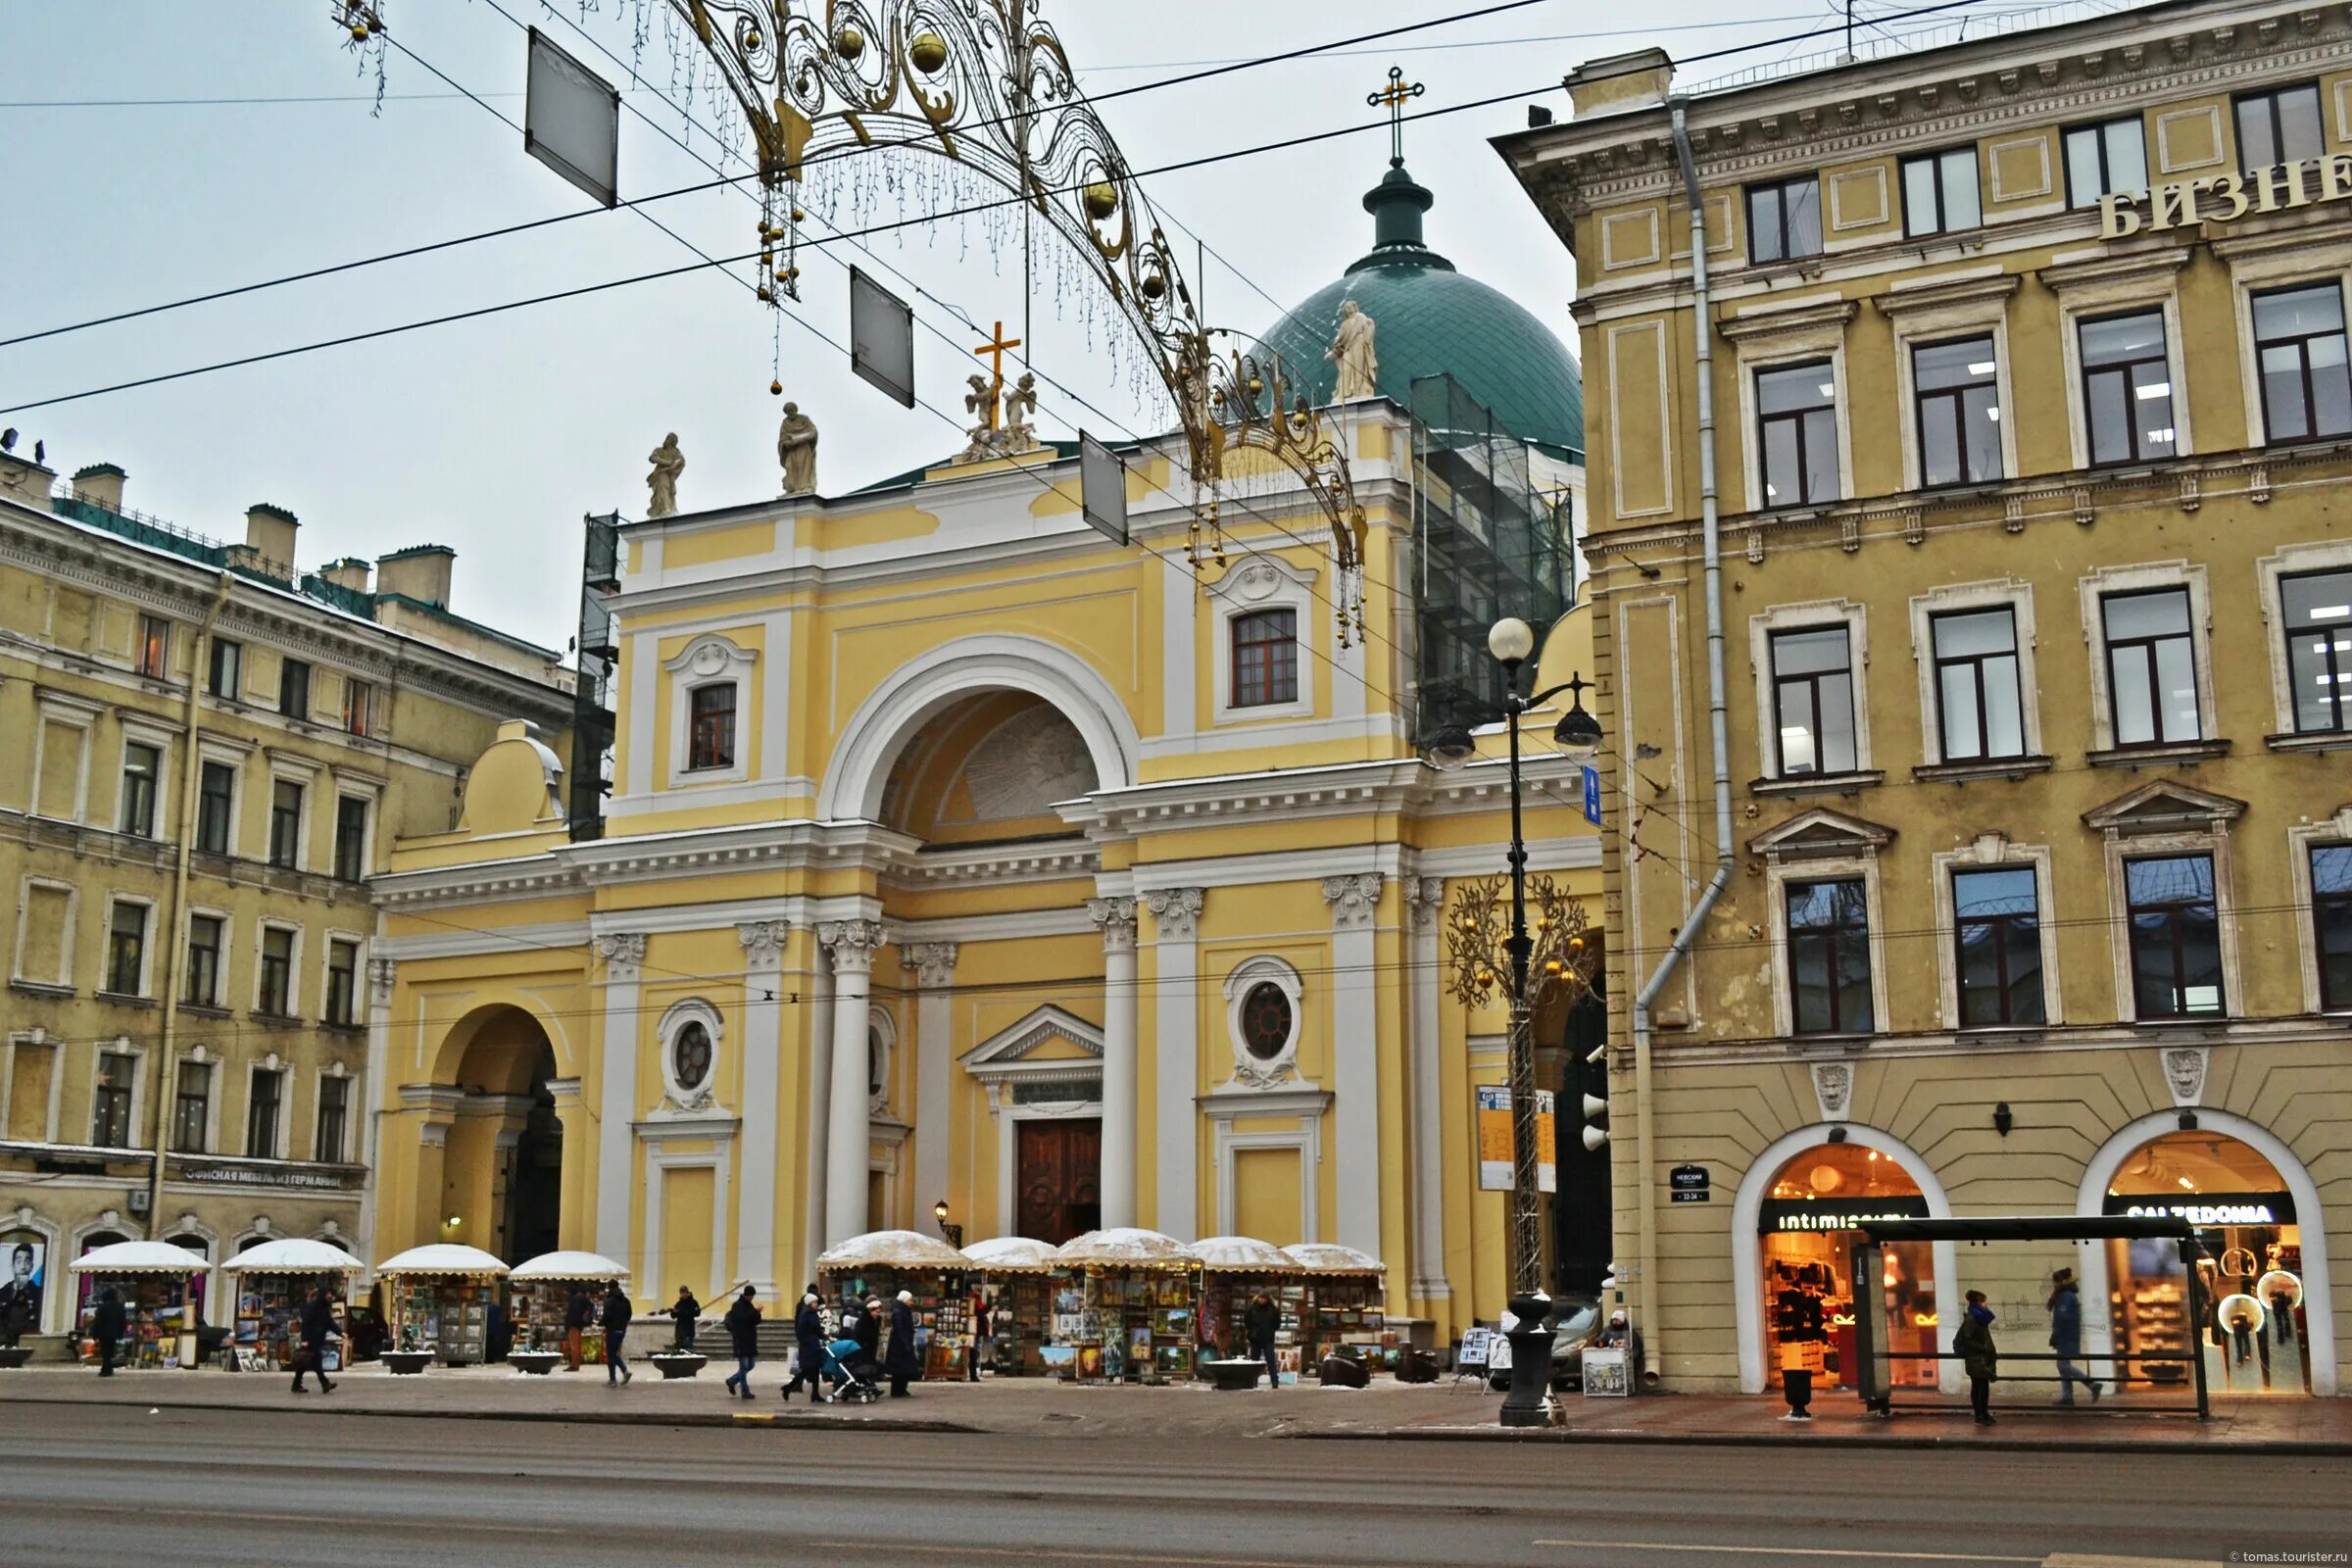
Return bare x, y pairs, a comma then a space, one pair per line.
1267, 1020
690, 1056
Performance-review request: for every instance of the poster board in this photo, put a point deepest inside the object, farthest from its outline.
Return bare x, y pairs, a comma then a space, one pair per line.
1495, 1150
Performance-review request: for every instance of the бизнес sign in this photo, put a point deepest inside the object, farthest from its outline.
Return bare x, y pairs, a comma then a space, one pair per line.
2276, 189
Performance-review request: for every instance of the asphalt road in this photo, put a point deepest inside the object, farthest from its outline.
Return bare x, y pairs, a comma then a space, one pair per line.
83, 1484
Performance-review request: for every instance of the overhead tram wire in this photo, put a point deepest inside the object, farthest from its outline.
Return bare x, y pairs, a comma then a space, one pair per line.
404, 253
506, 229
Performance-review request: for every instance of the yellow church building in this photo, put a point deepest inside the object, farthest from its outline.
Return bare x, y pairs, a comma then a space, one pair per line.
955, 854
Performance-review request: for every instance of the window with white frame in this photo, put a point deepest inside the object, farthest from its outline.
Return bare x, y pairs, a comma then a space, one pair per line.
1797, 434
192, 1107
2166, 849
1265, 658
881, 1036
2107, 159
689, 1036
2282, 125
1979, 694
2307, 596
112, 1094
330, 1143
342, 983
155, 647
2299, 352
142, 769
1813, 706
286, 801
1784, 220
351, 837
1998, 979
274, 973
1262, 603
217, 807
206, 961
2128, 393
2330, 870
709, 700
710, 738
127, 947
1263, 1014
1956, 397
224, 671
2151, 666
1827, 927
265, 1113
1939, 192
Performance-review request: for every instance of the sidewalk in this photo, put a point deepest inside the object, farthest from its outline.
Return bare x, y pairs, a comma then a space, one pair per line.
1385, 1410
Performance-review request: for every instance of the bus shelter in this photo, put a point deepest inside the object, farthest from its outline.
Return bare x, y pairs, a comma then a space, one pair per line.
1875, 1333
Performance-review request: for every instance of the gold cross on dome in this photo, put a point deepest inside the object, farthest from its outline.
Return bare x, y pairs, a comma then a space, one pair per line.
1395, 95
995, 349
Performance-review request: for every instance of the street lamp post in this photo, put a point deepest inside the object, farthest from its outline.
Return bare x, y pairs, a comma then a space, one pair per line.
954, 1233
1471, 938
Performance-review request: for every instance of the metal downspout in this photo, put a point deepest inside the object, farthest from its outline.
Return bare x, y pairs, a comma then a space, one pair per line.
1645, 1133
174, 938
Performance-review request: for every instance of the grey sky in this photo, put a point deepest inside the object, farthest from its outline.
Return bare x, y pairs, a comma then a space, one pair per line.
494, 435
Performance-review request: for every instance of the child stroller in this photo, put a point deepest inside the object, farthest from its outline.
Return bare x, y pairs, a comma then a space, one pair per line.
852, 1372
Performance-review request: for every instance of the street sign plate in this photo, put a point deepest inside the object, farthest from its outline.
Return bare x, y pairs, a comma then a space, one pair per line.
1593, 795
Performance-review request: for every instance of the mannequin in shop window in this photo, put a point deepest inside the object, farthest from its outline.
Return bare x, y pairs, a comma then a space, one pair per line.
1798, 1324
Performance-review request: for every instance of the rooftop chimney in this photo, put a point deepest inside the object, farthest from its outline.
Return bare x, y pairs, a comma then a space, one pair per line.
351, 572
269, 545
100, 483
24, 479
1636, 81
419, 573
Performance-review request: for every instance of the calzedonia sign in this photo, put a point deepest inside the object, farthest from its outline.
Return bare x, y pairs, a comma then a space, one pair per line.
2206, 1209
2227, 198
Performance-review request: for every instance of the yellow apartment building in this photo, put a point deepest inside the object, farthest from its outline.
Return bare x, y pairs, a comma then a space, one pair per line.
207, 755
2029, 435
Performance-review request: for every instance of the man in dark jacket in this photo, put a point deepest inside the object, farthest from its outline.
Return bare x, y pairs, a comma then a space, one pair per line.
1260, 1324
682, 1312
1974, 1342
2066, 1336
902, 1361
808, 1351
743, 1337
864, 1323
615, 1323
578, 1313
108, 1324
318, 1332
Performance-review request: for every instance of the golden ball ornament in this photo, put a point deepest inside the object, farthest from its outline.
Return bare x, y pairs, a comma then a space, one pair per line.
1153, 286
1486, 977
1576, 943
775, 389
359, 33
797, 216
765, 297
1101, 199
752, 41
848, 43
928, 52
1554, 967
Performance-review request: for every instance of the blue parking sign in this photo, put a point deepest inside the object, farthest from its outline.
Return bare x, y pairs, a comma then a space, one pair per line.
1593, 795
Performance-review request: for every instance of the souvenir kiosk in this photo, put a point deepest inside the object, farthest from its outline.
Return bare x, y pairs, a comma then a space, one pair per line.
1018, 1273
271, 1283
1127, 1308
438, 1301
1232, 1270
885, 1262
151, 1280
538, 1295
1346, 1304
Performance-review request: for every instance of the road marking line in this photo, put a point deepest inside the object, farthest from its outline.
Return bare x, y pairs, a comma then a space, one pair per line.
1789, 1551
1064, 1556
2077, 1559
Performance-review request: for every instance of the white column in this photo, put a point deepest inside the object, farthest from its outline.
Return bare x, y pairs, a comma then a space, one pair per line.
1176, 932
933, 965
1425, 901
1116, 917
616, 1107
846, 1141
1355, 1050
370, 1096
762, 1057
817, 1110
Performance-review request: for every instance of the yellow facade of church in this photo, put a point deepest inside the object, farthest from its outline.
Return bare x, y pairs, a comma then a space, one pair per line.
956, 853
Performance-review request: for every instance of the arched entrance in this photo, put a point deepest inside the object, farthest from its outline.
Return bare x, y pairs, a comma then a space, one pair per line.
1793, 1225
502, 1169
2261, 1258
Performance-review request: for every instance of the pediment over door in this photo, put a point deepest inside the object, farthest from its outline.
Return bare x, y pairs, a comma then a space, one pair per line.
1048, 1057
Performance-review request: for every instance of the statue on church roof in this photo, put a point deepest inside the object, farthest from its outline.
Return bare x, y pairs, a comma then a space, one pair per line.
1351, 351
981, 404
796, 450
668, 462
1020, 407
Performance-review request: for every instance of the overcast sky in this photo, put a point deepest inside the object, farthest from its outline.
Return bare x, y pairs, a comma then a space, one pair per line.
494, 435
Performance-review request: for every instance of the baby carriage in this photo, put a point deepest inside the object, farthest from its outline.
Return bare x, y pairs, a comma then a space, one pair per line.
852, 1374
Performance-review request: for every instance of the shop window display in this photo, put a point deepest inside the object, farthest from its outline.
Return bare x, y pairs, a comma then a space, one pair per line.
2248, 1257
1806, 1228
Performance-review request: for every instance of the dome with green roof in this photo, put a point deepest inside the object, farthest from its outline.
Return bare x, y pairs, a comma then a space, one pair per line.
1429, 320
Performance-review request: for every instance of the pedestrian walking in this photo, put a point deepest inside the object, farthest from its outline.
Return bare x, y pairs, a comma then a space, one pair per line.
108, 1324
683, 1313
2066, 1336
1974, 1343
318, 1332
615, 1323
808, 1351
743, 1337
1261, 1322
578, 1313
981, 1337
902, 1362
862, 1322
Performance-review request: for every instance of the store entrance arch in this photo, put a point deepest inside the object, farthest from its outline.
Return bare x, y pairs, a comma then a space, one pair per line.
2257, 1212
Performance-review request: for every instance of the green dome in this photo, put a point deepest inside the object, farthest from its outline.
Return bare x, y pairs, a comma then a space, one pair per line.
1429, 318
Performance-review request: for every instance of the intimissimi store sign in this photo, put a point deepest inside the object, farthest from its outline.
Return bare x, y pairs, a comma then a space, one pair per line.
1783, 1216
2227, 198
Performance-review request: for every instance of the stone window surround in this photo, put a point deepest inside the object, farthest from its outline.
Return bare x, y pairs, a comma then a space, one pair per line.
233, 756
2118, 287
1811, 615
881, 1030
2214, 841
1950, 310
683, 1095
293, 770
65, 951
2260, 264
55, 707
1786, 862
353, 1111
1305, 1137
2301, 840
359, 975
260, 929
1240, 981
200, 1056
2096, 586
2292, 560
708, 659
121, 1045
1791, 333
370, 794
1252, 583
229, 927
148, 942
1990, 594
1992, 849
162, 822
40, 1040
271, 1062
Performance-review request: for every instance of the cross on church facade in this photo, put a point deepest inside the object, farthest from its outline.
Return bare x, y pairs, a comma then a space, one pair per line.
1395, 95
995, 349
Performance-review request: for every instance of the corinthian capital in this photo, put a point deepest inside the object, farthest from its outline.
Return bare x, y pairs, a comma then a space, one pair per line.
622, 952
1354, 900
932, 962
1176, 911
763, 942
1115, 917
853, 943
381, 972
1425, 901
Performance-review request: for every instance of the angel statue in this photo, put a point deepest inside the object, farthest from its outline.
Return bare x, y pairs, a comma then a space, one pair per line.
668, 462
1020, 406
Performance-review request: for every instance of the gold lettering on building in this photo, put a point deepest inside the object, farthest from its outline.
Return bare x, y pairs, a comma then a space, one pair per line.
2116, 216
2280, 188
2171, 206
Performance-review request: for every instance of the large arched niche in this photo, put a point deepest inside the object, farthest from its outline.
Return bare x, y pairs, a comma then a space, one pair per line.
989, 768
901, 712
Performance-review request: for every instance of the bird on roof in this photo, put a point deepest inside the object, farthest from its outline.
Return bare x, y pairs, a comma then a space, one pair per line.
8, 439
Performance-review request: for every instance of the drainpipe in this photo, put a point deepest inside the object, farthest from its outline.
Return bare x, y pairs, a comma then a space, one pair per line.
1645, 1137
174, 948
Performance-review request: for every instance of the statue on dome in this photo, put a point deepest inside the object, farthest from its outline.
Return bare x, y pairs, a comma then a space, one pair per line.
796, 450
668, 462
1351, 351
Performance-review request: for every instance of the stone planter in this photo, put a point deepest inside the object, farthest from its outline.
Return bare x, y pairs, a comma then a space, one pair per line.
1232, 1377
678, 1363
406, 1364
538, 1363
15, 1355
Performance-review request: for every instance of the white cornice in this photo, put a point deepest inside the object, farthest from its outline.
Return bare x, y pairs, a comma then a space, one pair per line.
544, 935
